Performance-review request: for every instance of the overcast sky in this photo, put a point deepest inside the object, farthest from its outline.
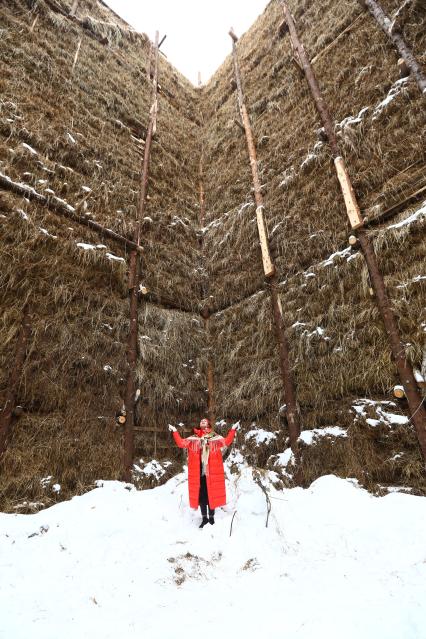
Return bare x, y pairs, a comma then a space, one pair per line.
197, 31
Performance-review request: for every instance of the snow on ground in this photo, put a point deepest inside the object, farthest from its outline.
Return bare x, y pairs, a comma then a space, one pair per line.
333, 562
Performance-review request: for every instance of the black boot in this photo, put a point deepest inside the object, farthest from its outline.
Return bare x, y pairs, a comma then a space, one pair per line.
211, 517
204, 522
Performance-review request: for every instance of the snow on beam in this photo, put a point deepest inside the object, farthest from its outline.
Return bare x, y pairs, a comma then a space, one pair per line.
60, 207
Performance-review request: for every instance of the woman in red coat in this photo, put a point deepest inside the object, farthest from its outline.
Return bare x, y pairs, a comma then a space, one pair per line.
206, 478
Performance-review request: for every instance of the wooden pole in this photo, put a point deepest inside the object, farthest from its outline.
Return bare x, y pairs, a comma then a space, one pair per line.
398, 41
211, 406
132, 343
405, 370
15, 377
268, 265
59, 207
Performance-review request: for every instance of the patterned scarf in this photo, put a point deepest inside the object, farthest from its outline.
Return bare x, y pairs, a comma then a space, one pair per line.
206, 446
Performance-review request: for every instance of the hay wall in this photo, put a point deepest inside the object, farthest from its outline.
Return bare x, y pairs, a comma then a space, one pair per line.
78, 134
339, 350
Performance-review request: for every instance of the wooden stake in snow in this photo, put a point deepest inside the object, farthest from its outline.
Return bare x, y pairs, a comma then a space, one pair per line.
403, 49
134, 276
15, 377
268, 265
405, 370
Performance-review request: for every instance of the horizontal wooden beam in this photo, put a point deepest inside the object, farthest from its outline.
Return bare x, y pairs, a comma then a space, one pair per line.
395, 208
62, 208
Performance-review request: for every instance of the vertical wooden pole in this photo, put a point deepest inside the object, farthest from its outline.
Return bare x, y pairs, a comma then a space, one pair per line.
14, 380
398, 41
405, 370
211, 408
132, 342
269, 267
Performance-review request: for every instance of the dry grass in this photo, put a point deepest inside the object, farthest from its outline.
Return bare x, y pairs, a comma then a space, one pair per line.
87, 127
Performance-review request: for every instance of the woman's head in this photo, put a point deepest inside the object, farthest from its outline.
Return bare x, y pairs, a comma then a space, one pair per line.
205, 428
205, 424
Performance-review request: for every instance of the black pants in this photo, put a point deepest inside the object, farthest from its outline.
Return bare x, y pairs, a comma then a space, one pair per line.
204, 498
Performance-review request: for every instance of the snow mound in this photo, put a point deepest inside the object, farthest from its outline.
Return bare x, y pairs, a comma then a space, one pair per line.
333, 562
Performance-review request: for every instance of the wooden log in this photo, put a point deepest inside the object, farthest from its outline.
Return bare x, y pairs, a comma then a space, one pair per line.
293, 420
268, 266
405, 370
132, 341
385, 23
352, 208
393, 210
59, 207
14, 380
211, 408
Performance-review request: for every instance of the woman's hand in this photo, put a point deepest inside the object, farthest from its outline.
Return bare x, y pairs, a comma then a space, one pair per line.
171, 428
235, 426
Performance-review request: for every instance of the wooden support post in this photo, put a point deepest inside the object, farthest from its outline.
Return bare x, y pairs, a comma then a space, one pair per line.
268, 266
211, 406
76, 55
14, 380
352, 208
211, 411
405, 370
398, 41
205, 313
134, 276
292, 413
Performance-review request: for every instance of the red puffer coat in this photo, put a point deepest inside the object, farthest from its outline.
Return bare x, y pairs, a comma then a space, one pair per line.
215, 476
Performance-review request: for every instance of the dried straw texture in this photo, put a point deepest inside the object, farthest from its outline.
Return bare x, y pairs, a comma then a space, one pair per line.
338, 346
78, 134
304, 206
77, 131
